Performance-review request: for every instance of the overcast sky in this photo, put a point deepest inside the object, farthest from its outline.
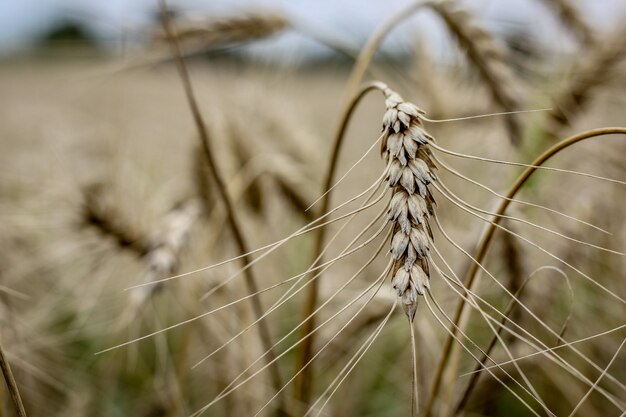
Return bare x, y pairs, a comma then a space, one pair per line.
347, 20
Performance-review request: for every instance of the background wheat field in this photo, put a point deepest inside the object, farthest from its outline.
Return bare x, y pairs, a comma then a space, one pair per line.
107, 188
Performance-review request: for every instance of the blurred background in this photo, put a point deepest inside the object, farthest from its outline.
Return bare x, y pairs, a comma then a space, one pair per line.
103, 186
112, 26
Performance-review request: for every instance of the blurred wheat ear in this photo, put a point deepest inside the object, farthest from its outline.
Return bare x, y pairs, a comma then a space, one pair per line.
103, 216
160, 250
484, 53
572, 20
214, 33
591, 71
489, 59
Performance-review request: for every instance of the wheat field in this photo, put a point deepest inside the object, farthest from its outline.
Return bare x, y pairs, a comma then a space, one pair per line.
162, 251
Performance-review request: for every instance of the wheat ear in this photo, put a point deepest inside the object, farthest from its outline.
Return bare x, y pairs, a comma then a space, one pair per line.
594, 70
572, 20
106, 219
404, 147
221, 32
488, 57
166, 245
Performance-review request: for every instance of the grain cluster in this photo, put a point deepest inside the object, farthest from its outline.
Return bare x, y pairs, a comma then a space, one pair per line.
410, 173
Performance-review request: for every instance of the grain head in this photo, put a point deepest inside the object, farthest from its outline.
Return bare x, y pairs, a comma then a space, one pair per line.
410, 172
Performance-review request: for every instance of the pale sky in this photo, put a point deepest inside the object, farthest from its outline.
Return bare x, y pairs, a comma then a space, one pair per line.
349, 21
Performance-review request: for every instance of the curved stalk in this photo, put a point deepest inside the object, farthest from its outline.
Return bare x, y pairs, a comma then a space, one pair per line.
373, 44
302, 384
485, 243
233, 222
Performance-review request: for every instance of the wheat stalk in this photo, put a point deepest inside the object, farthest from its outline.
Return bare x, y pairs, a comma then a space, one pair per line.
302, 386
7, 373
202, 182
232, 218
512, 254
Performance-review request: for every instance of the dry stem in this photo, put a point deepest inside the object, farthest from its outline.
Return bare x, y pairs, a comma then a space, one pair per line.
11, 384
221, 187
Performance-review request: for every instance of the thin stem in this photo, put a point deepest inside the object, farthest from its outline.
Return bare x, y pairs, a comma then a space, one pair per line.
483, 360
356, 359
459, 341
302, 384
11, 384
485, 243
233, 222
373, 44
415, 403
496, 311
381, 280
595, 384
